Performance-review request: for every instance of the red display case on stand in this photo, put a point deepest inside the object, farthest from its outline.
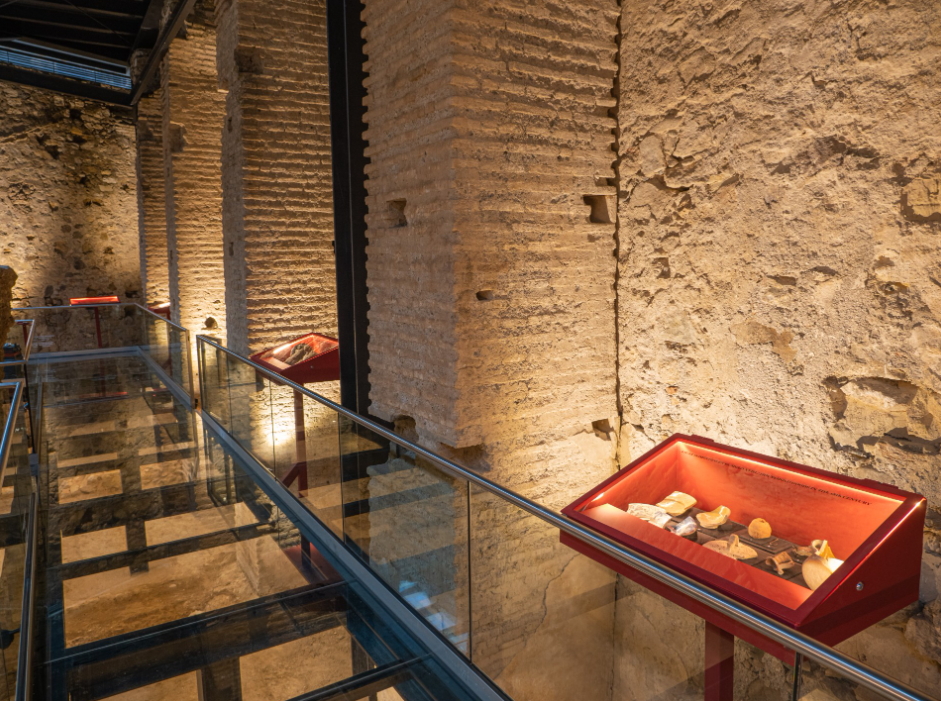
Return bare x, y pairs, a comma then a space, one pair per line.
826, 554
310, 358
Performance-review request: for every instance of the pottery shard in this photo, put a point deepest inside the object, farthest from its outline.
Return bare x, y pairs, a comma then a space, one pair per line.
7, 280
759, 529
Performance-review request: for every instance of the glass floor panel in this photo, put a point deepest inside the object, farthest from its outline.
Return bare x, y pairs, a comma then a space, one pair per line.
167, 574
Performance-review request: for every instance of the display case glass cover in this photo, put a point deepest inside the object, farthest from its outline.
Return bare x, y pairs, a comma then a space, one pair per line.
310, 358
822, 552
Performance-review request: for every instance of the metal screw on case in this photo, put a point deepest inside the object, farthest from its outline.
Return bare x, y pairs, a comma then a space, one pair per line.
859, 586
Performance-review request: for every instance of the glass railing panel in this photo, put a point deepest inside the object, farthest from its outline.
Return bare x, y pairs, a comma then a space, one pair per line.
167, 345
214, 383
306, 453
544, 616
16, 491
408, 520
250, 410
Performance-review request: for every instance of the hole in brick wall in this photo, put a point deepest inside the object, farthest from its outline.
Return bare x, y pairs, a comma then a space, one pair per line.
602, 208
211, 323
177, 137
397, 212
248, 59
485, 295
603, 428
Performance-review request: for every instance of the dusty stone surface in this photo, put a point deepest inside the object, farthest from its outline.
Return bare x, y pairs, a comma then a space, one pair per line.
779, 236
7, 281
193, 117
277, 180
67, 197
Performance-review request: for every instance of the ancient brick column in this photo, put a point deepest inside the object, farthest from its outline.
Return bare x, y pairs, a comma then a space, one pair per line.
193, 115
491, 274
152, 200
491, 230
277, 188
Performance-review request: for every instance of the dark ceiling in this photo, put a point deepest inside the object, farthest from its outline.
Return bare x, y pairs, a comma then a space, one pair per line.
81, 47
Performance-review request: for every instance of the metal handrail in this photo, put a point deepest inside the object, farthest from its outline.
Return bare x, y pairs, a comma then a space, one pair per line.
6, 439
178, 327
770, 628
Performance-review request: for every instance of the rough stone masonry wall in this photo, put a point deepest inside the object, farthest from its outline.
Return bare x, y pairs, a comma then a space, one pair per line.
193, 115
780, 232
152, 199
490, 274
67, 198
277, 184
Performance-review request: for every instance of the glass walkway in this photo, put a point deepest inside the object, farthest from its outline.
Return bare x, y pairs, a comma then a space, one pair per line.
165, 572
270, 545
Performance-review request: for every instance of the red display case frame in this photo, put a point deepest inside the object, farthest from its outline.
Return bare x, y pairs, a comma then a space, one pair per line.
323, 366
882, 546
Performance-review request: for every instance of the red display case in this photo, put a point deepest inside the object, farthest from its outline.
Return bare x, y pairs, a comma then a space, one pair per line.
310, 358
874, 529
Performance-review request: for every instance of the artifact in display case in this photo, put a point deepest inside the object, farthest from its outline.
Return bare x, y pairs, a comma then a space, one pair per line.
310, 358
826, 554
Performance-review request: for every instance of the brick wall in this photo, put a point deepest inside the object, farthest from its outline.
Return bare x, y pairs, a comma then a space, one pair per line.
193, 115
277, 206
490, 272
67, 197
152, 199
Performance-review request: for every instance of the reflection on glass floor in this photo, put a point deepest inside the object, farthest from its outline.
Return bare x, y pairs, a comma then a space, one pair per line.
166, 573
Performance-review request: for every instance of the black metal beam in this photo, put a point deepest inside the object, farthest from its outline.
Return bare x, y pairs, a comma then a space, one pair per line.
70, 18
118, 7
170, 32
141, 556
121, 663
347, 110
61, 30
66, 86
108, 512
363, 684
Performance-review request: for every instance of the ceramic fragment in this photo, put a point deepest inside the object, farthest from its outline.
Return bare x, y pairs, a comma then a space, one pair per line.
732, 548
677, 503
819, 566
647, 512
715, 518
781, 562
685, 527
759, 529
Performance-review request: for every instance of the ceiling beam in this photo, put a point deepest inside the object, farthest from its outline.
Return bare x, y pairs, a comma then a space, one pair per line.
23, 21
110, 7
67, 86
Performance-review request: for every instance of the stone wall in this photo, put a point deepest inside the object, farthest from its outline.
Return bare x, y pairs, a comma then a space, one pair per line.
277, 184
780, 232
67, 197
193, 117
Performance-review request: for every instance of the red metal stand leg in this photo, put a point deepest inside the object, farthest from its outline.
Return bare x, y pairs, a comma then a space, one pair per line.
98, 326
300, 442
720, 664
